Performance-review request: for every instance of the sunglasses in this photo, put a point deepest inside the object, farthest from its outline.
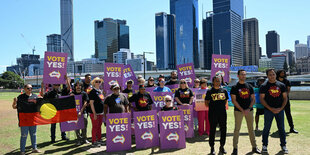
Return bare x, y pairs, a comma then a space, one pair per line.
168, 100
183, 82
151, 80
98, 82
162, 81
197, 82
29, 88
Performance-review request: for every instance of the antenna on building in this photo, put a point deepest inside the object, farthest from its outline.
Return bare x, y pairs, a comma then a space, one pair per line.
202, 12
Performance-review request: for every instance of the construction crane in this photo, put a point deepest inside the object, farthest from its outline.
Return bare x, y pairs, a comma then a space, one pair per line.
28, 43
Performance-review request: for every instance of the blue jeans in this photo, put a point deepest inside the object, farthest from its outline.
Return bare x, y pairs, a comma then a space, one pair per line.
23, 137
268, 118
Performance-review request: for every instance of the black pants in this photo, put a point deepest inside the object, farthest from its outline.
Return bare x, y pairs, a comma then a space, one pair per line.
288, 114
214, 119
53, 128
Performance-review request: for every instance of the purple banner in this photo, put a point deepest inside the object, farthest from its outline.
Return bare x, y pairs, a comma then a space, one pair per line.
74, 125
128, 74
220, 65
187, 72
146, 129
118, 132
200, 96
55, 68
113, 73
158, 99
173, 88
172, 133
188, 120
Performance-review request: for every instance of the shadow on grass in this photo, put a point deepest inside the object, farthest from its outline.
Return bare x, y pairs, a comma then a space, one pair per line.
29, 148
258, 133
276, 134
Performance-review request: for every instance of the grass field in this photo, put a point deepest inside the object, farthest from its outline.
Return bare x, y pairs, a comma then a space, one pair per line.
296, 143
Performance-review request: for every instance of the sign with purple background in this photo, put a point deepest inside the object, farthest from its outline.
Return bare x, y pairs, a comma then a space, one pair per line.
172, 133
187, 72
74, 125
194, 102
200, 96
113, 73
173, 88
146, 129
188, 120
128, 74
118, 132
158, 99
55, 68
220, 65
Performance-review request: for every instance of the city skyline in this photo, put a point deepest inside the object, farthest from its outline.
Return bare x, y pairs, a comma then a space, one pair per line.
43, 18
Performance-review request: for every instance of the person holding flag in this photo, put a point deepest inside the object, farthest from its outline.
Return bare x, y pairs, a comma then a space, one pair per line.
23, 102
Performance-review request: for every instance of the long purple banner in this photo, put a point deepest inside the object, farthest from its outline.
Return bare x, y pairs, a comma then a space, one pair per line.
55, 68
188, 120
158, 99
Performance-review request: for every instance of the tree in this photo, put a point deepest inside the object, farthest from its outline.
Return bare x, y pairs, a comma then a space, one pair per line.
10, 80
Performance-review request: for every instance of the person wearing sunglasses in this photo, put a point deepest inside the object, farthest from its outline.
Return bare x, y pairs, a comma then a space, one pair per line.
116, 102
142, 99
184, 95
174, 78
168, 104
150, 82
96, 99
196, 83
203, 116
56, 92
30, 99
161, 87
129, 89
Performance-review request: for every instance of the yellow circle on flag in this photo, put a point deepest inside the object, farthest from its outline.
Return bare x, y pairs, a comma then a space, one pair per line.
48, 111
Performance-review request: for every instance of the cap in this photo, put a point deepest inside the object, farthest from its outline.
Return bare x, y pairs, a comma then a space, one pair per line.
141, 86
114, 86
129, 82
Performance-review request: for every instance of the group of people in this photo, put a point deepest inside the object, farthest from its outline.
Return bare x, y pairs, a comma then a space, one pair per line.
96, 105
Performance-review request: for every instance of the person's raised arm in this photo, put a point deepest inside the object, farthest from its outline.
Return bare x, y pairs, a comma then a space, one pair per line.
14, 105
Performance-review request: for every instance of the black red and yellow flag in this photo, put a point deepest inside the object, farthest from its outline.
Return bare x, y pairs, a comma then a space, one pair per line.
47, 111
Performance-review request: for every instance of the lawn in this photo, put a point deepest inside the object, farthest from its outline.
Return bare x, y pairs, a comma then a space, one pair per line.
296, 143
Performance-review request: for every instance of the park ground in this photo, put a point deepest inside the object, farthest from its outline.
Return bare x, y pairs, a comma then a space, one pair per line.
296, 143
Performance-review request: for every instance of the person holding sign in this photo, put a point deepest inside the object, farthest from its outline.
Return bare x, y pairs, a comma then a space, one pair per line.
184, 95
142, 99
203, 116
116, 102
216, 100
96, 99
129, 89
161, 87
150, 82
242, 96
169, 104
29, 99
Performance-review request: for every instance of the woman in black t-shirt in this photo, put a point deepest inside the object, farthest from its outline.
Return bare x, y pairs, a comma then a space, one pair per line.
184, 95
150, 82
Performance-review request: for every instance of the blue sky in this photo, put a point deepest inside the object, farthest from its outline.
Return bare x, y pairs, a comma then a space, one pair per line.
35, 19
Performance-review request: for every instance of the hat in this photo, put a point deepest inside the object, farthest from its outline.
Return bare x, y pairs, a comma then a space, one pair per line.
141, 86
261, 78
96, 79
160, 79
161, 76
114, 86
129, 82
140, 76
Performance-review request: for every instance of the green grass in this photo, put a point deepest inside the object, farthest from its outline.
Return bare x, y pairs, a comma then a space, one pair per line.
296, 143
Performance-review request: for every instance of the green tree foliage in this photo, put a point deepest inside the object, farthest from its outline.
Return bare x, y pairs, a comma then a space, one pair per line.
10, 80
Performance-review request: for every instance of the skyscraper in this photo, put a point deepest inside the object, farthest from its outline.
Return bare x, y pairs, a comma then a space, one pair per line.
207, 41
66, 14
301, 50
251, 53
110, 36
308, 41
165, 41
53, 43
187, 41
272, 43
227, 29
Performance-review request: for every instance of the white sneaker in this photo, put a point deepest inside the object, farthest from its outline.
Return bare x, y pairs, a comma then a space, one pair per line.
264, 149
284, 149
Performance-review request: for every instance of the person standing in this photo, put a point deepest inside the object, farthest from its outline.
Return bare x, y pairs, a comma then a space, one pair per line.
174, 78
216, 100
184, 95
196, 83
150, 82
281, 76
273, 96
243, 98
161, 87
142, 99
116, 102
203, 116
129, 89
86, 83
169, 106
25, 101
259, 106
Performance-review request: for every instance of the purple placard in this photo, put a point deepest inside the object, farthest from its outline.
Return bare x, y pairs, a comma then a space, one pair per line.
55, 68
173, 88
220, 65
158, 99
187, 72
146, 129
188, 120
74, 125
194, 102
128, 74
172, 133
118, 132
200, 96
113, 73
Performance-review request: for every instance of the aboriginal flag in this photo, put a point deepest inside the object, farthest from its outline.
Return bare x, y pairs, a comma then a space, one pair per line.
47, 111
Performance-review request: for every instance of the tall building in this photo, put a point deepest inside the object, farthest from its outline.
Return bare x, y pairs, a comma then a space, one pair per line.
264, 62
66, 15
187, 39
290, 58
207, 28
227, 29
272, 43
296, 42
165, 41
23, 63
137, 64
308, 41
201, 56
88, 65
110, 36
278, 61
301, 50
121, 56
53, 43
251, 53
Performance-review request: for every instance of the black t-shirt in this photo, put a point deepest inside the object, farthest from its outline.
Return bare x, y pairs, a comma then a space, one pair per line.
243, 94
273, 93
286, 82
129, 92
116, 103
52, 94
26, 103
165, 108
218, 98
87, 87
143, 101
98, 98
84, 98
184, 95
170, 82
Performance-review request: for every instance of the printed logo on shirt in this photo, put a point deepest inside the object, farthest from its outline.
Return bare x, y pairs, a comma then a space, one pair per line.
218, 96
88, 90
244, 93
101, 96
274, 91
142, 102
118, 100
184, 94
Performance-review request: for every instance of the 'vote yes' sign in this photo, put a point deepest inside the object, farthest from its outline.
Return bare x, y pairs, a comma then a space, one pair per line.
112, 75
55, 68
187, 72
220, 66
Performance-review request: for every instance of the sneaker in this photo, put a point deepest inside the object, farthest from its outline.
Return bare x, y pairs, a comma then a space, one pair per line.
264, 149
36, 151
212, 151
65, 138
256, 150
53, 141
94, 144
86, 141
293, 131
78, 143
222, 150
235, 152
284, 149
101, 142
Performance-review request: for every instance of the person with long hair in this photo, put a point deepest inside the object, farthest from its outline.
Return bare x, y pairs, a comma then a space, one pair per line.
203, 116
150, 82
184, 95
